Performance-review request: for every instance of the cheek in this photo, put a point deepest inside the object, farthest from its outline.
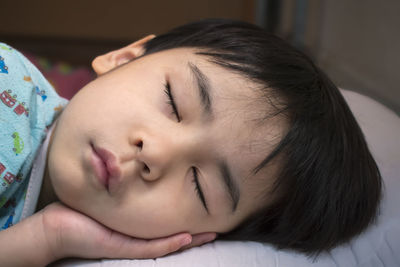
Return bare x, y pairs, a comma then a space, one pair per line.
152, 216
63, 171
99, 99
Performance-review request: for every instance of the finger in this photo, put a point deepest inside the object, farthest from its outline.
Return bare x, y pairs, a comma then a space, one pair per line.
200, 239
145, 249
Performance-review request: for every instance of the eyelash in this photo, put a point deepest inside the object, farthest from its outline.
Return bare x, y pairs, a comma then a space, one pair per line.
197, 188
171, 101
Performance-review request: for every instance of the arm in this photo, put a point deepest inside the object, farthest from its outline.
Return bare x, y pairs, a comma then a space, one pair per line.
57, 232
24, 244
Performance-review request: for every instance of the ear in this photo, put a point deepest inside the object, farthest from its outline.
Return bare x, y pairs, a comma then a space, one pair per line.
109, 61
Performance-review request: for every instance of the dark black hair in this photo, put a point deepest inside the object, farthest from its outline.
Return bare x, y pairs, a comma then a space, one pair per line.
328, 186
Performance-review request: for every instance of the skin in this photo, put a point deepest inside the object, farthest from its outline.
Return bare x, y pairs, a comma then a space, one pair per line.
126, 111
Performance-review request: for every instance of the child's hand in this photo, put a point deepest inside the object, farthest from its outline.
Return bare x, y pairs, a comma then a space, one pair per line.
73, 234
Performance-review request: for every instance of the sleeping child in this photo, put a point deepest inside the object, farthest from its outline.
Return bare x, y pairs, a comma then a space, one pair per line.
215, 129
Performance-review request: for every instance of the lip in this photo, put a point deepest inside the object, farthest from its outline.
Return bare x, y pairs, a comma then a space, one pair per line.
105, 166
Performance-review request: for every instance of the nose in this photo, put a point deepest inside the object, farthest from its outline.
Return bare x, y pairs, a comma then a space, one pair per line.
156, 154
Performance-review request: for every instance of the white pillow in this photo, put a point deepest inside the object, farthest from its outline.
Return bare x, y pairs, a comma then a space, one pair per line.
378, 246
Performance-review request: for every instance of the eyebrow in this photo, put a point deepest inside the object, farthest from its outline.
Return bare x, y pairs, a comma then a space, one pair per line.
230, 183
204, 88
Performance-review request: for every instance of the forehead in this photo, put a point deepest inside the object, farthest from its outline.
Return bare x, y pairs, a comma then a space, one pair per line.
245, 140
244, 135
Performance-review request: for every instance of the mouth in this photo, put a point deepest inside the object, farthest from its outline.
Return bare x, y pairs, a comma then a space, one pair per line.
105, 167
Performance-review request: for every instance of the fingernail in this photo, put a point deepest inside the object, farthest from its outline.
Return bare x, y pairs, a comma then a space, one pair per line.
186, 241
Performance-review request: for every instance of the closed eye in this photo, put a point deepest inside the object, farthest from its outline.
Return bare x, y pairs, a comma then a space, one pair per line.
171, 101
198, 189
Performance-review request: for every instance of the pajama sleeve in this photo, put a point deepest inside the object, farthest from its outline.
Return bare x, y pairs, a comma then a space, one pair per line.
28, 106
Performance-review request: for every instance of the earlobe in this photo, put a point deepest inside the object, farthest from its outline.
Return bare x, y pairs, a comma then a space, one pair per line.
113, 59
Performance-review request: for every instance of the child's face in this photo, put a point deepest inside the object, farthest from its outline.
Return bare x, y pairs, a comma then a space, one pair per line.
150, 191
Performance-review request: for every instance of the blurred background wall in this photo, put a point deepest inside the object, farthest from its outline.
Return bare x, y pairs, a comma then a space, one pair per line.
82, 29
356, 42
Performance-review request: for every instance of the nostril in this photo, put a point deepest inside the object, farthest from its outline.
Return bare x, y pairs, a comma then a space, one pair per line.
139, 144
146, 169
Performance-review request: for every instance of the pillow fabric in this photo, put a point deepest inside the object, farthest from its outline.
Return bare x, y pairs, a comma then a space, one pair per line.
378, 246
